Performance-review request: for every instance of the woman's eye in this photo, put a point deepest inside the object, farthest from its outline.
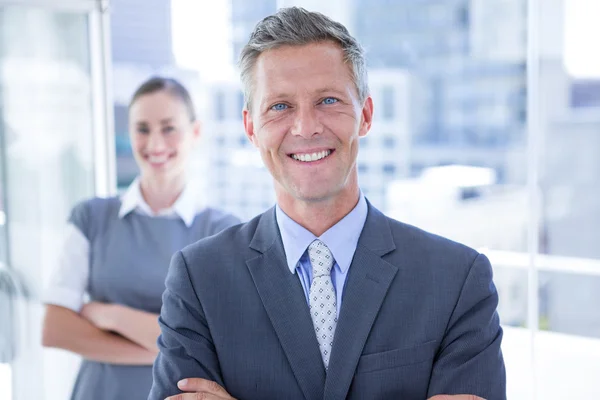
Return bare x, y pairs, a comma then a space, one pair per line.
143, 131
168, 129
279, 107
330, 100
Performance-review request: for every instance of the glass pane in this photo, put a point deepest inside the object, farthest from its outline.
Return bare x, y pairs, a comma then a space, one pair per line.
450, 102
516, 349
5, 369
5, 382
3, 238
46, 123
568, 347
567, 366
511, 278
570, 183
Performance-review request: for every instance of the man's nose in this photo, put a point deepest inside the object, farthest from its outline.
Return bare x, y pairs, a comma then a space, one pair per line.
306, 122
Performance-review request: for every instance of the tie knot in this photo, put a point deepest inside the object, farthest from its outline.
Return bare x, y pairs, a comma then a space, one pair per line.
320, 258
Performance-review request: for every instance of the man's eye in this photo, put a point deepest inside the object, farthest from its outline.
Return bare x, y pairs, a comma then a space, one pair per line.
330, 100
279, 107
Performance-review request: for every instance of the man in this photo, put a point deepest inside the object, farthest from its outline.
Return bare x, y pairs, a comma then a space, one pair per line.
323, 297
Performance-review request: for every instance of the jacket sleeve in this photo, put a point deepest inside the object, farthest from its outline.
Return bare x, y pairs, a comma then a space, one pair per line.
470, 360
185, 345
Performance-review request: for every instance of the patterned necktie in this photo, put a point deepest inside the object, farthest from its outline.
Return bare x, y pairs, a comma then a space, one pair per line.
322, 300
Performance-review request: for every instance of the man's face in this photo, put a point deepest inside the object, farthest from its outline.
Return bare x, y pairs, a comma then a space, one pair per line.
306, 120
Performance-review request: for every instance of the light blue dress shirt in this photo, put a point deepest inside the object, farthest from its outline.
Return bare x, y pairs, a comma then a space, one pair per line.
341, 239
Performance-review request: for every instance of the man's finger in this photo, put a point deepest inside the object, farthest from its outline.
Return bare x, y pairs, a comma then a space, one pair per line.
203, 385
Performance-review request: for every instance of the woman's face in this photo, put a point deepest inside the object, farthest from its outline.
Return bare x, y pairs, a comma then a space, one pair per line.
162, 135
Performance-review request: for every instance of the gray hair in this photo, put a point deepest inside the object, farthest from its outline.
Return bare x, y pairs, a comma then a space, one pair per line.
296, 26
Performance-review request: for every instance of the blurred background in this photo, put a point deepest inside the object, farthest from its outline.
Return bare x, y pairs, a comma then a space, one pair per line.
487, 131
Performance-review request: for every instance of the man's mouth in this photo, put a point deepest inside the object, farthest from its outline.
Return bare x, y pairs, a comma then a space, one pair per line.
311, 157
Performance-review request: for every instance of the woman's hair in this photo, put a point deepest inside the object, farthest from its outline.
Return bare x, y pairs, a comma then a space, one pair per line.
169, 85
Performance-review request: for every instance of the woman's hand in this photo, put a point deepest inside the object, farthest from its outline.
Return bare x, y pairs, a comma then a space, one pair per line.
138, 326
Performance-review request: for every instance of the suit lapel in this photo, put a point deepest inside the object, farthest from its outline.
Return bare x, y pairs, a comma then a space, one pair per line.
285, 303
368, 281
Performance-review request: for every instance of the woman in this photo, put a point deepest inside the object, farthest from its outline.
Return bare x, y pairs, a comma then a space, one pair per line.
118, 250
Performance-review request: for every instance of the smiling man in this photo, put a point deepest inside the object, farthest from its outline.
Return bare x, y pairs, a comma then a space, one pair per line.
323, 296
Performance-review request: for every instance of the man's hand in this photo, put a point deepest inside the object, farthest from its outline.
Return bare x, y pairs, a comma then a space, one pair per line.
100, 314
198, 388
213, 391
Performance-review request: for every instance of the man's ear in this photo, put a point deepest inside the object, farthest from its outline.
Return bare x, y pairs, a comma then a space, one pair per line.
249, 126
366, 117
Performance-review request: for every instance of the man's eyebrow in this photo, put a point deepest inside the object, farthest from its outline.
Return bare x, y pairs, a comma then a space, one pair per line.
270, 97
330, 90
276, 95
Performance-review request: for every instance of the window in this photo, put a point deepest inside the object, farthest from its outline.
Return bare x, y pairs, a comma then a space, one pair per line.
472, 130
388, 102
241, 103
389, 142
389, 169
220, 106
49, 161
462, 16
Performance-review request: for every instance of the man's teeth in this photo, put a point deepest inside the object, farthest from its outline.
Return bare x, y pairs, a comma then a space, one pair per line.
311, 157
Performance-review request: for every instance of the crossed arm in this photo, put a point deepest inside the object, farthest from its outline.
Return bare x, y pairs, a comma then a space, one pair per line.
196, 388
101, 332
469, 360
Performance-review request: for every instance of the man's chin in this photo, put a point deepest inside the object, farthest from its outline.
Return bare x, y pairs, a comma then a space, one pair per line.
314, 195
306, 191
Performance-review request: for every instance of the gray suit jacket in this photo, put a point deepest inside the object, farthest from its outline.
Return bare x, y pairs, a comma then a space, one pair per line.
418, 318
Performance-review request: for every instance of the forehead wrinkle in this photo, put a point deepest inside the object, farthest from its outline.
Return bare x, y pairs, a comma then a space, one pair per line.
274, 69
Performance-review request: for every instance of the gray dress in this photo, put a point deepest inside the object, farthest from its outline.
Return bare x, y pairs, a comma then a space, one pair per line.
129, 259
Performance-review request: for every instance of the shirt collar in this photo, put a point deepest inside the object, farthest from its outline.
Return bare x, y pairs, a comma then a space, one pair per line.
185, 207
341, 239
